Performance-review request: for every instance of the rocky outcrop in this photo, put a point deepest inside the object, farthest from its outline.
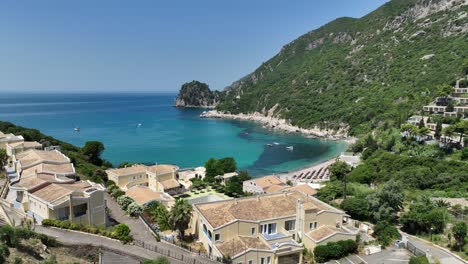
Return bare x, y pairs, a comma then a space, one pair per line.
271, 122
196, 94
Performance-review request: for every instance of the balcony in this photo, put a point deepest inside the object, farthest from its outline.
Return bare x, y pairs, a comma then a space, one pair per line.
275, 238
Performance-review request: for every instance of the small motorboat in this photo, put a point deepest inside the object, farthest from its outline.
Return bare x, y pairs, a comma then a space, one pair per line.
290, 148
269, 145
275, 143
77, 129
139, 125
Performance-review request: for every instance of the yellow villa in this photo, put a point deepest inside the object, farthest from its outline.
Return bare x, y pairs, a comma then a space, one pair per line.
41, 197
266, 229
159, 178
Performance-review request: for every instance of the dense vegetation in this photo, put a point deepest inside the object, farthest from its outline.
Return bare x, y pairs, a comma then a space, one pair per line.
197, 94
120, 231
87, 160
360, 73
334, 250
22, 239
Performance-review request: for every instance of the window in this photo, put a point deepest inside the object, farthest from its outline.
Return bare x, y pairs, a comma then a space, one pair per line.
250, 261
262, 260
268, 228
205, 230
253, 231
268, 260
313, 225
217, 237
210, 236
290, 225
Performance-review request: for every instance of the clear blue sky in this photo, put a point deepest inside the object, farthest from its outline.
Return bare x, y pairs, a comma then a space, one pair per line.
104, 45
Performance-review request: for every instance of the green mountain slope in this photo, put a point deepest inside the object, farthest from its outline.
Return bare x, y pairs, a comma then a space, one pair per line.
360, 73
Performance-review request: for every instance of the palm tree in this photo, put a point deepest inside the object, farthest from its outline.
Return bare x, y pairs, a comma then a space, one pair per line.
180, 216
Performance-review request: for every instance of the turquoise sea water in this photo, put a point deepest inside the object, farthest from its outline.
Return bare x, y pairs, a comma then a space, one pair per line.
166, 134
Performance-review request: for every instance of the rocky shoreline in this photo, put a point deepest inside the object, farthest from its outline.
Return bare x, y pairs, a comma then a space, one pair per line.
283, 125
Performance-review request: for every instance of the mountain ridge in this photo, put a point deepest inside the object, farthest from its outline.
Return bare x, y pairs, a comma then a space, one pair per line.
359, 73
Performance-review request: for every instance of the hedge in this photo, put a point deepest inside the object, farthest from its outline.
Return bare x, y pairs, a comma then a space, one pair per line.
116, 232
334, 250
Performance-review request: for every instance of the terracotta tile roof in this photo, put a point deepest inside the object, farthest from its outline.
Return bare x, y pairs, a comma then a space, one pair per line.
162, 169
269, 184
33, 155
259, 208
143, 195
56, 193
275, 188
239, 244
51, 192
324, 232
30, 182
170, 184
305, 188
66, 168
137, 168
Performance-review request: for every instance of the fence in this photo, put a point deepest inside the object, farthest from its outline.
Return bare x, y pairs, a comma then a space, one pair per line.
413, 249
196, 259
173, 253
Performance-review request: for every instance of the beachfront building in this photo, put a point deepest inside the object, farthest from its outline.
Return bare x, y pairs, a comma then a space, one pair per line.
223, 179
267, 228
159, 178
267, 184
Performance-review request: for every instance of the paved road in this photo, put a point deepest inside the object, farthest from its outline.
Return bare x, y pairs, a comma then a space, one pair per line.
390, 255
139, 231
437, 253
73, 238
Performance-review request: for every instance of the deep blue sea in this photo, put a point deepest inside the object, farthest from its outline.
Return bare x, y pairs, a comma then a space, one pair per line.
166, 134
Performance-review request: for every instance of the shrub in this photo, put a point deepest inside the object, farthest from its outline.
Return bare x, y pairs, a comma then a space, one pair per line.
111, 187
116, 193
134, 209
124, 201
334, 250
385, 233
121, 232
418, 260
159, 260
4, 253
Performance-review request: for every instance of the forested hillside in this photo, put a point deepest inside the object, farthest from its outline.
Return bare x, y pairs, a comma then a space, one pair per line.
361, 73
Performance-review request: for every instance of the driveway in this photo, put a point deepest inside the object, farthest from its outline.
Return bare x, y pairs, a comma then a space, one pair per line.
435, 252
73, 238
390, 255
139, 231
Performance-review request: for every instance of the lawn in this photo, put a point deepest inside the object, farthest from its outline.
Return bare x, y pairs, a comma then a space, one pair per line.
195, 193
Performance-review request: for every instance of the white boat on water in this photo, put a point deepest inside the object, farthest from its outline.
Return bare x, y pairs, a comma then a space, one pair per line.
275, 143
77, 129
290, 148
139, 125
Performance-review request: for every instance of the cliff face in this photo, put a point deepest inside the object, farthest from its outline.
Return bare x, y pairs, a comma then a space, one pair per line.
360, 73
197, 94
